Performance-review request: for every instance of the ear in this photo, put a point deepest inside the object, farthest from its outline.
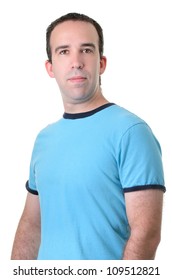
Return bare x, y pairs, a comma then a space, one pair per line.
49, 68
103, 62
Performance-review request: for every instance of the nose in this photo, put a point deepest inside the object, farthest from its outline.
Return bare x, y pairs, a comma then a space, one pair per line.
77, 66
77, 62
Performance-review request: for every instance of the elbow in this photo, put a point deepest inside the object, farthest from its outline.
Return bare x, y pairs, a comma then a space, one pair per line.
152, 243
143, 245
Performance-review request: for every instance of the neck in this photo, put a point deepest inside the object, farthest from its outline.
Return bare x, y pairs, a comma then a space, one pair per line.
85, 106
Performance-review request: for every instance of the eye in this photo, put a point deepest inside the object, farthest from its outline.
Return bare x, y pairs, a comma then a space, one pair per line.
63, 52
87, 50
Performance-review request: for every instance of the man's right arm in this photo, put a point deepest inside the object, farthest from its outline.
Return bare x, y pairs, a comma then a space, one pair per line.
27, 238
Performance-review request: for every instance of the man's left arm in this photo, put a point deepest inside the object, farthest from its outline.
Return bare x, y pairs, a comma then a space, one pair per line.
144, 212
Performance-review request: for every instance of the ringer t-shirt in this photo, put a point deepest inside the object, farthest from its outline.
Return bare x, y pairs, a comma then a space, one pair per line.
81, 167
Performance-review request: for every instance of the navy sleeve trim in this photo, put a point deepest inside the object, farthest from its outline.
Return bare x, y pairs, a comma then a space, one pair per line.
144, 187
30, 190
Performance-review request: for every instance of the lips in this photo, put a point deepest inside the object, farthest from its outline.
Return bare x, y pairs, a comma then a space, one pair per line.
77, 79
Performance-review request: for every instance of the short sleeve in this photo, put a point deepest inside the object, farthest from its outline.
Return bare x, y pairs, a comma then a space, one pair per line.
140, 159
31, 183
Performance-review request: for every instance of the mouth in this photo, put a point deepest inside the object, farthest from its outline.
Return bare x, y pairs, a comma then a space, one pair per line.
77, 79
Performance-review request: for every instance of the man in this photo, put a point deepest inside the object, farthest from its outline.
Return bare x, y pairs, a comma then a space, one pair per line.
96, 183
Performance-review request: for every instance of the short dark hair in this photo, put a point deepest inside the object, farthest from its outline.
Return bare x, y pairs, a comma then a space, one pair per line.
74, 17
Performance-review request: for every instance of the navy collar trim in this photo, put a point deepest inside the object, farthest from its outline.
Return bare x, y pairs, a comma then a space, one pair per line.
86, 114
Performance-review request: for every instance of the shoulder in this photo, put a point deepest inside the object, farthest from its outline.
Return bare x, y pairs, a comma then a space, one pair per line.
125, 116
122, 121
48, 133
50, 128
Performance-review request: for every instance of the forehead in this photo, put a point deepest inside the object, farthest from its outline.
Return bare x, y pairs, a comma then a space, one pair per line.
74, 31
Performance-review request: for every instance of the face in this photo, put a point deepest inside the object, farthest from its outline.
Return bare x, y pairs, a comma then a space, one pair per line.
76, 63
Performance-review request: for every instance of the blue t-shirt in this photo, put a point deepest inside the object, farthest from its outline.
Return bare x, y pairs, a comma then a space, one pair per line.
81, 167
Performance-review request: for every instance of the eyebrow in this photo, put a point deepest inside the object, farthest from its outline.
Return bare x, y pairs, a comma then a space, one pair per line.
61, 47
68, 46
88, 45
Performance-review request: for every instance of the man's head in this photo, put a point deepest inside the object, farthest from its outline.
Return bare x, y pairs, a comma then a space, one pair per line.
73, 17
75, 57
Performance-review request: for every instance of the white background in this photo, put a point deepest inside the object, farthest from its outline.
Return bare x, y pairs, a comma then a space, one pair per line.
138, 46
